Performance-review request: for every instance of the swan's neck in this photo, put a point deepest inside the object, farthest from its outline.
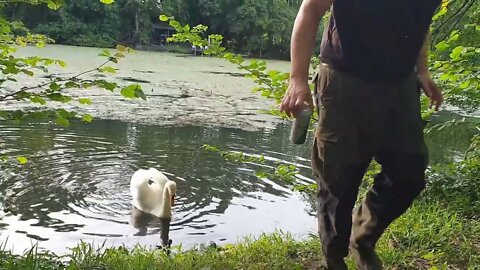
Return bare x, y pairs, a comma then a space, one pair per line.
167, 203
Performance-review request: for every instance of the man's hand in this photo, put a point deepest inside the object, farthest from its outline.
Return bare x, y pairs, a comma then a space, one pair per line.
305, 29
297, 97
431, 90
428, 85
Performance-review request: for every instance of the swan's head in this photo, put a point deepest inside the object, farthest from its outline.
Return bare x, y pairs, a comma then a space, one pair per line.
171, 187
155, 177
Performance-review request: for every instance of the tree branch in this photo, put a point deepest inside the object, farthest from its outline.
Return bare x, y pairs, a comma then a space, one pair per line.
460, 12
5, 97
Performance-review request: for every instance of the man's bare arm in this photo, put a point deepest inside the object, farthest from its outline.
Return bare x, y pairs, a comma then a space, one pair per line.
429, 86
304, 34
303, 40
422, 60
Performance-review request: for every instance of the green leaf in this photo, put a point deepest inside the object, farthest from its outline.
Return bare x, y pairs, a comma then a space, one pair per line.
456, 52
106, 85
133, 91
59, 97
105, 53
66, 99
164, 18
61, 121
40, 44
119, 55
122, 48
22, 95
60, 63
465, 84
4, 115
261, 174
87, 118
107, 2
107, 69
54, 4
10, 70
65, 114
440, 13
442, 46
54, 86
85, 101
22, 160
48, 62
38, 99
129, 91
28, 72
139, 93
71, 85
210, 148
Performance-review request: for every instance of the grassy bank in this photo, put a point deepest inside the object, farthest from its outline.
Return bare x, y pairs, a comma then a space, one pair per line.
429, 236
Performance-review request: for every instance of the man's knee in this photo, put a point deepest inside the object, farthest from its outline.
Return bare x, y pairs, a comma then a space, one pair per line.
417, 184
404, 171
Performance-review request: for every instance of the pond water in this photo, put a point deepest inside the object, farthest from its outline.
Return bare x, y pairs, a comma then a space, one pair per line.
76, 184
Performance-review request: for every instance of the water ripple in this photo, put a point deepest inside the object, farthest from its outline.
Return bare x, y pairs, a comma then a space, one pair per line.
76, 184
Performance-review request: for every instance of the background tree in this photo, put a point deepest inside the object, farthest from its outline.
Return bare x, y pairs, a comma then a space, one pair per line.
256, 28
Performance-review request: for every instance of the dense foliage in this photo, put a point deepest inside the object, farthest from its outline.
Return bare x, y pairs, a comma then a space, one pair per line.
256, 28
89, 23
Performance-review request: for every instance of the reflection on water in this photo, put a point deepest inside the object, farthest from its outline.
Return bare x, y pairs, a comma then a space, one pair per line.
141, 220
449, 144
76, 184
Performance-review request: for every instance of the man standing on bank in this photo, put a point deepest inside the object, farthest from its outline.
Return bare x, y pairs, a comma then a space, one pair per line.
374, 62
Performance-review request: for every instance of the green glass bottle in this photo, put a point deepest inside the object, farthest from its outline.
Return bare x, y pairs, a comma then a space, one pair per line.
300, 125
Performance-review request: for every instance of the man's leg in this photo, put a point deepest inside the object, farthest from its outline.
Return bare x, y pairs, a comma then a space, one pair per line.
337, 191
403, 157
401, 180
340, 157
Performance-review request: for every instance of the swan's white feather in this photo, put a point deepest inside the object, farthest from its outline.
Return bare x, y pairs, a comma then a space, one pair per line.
147, 188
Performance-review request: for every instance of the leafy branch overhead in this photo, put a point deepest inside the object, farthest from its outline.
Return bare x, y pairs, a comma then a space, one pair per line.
49, 88
53, 88
270, 83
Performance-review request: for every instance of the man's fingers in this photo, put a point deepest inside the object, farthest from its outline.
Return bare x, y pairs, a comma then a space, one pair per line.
299, 102
436, 102
292, 103
439, 102
285, 106
284, 103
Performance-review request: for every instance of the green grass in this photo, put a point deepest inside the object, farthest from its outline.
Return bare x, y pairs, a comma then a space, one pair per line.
428, 236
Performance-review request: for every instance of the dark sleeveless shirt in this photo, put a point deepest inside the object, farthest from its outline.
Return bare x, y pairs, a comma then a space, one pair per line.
376, 40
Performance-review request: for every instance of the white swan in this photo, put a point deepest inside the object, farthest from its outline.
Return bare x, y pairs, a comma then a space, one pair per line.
153, 193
